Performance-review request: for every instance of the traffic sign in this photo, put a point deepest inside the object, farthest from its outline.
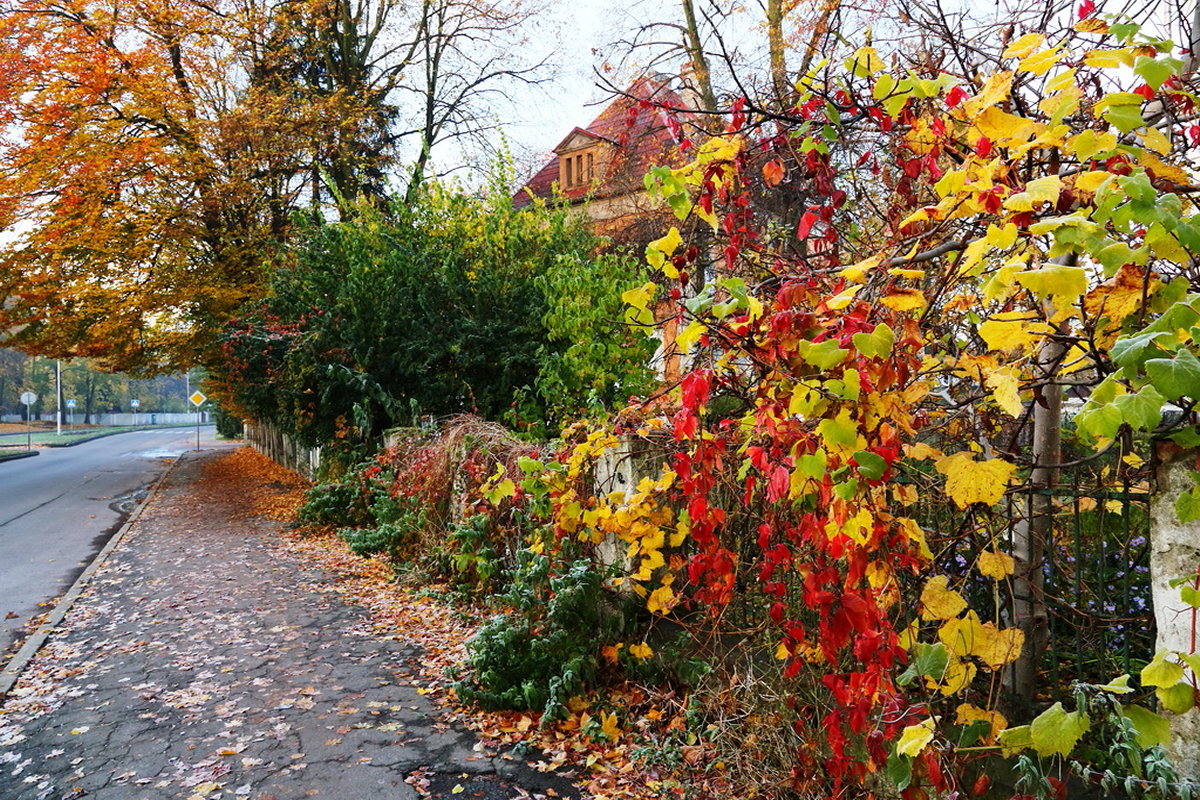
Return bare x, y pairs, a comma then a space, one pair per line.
70, 404
28, 398
198, 398
134, 403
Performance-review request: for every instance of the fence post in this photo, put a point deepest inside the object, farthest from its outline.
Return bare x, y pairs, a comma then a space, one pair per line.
1175, 553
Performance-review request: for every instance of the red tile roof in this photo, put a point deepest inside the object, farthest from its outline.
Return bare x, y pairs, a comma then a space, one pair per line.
638, 123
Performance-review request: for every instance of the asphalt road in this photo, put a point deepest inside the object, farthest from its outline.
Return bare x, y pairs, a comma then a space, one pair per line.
58, 509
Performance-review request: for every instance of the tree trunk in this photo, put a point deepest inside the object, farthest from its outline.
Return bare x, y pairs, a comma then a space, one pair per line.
1174, 554
697, 60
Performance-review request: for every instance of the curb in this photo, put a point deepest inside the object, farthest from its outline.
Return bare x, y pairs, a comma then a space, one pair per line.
16, 664
15, 456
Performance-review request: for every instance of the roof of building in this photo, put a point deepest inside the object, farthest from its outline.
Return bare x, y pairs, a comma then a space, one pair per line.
638, 124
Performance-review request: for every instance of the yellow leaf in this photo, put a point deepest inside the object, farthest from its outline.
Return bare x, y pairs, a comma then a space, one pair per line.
914, 738
1005, 383
1024, 45
661, 600
1005, 129
843, 298
1064, 284
1011, 330
1160, 169
1037, 191
904, 300
858, 272
1092, 180
667, 244
939, 601
609, 726
995, 565
1155, 139
959, 675
689, 336
640, 650
1109, 58
782, 653
967, 713
1061, 81
458, 789
969, 481
641, 296
1040, 63
997, 648
865, 61
1121, 295
994, 90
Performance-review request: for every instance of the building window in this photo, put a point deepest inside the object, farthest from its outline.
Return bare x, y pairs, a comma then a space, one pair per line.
578, 169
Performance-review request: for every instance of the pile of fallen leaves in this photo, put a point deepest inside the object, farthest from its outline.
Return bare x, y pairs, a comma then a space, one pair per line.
628, 741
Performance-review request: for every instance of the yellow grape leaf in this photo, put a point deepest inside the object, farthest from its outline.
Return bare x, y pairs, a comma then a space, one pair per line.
995, 565
914, 738
1091, 181
1089, 143
661, 600
939, 601
1109, 58
689, 335
1160, 169
904, 300
641, 296
1121, 295
1024, 45
968, 713
1064, 284
959, 675
1004, 128
999, 647
843, 298
1005, 383
640, 650
1037, 191
1161, 672
919, 451
667, 244
782, 651
858, 272
1092, 25
1011, 330
1156, 140
1002, 238
865, 61
1040, 63
994, 90
969, 481
609, 726
1061, 81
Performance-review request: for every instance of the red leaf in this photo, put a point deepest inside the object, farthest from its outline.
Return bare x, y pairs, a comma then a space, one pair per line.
955, 96
806, 223
772, 172
1086, 8
983, 147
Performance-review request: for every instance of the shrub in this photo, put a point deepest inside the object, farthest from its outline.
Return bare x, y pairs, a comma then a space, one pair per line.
546, 649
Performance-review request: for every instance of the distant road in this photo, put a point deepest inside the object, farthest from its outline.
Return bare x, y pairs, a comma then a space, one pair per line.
58, 509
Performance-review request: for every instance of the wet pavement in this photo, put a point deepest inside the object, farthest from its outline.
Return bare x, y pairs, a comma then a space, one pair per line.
203, 661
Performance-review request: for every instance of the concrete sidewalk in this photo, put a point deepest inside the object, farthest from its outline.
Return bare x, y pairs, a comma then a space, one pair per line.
203, 662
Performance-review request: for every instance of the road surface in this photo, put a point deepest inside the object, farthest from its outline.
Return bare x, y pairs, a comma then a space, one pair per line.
59, 508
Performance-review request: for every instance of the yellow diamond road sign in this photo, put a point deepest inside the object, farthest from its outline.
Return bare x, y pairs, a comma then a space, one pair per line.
197, 398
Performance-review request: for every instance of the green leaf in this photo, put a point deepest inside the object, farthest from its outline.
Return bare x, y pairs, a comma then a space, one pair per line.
822, 355
1190, 595
846, 489
1016, 738
1151, 728
1143, 411
876, 344
1187, 437
1177, 699
870, 465
1156, 71
899, 771
1099, 422
1117, 686
1161, 672
1056, 731
813, 465
1187, 505
1175, 377
1124, 118
838, 432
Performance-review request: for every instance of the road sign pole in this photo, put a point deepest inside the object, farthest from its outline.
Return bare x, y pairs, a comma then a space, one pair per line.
28, 398
197, 397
